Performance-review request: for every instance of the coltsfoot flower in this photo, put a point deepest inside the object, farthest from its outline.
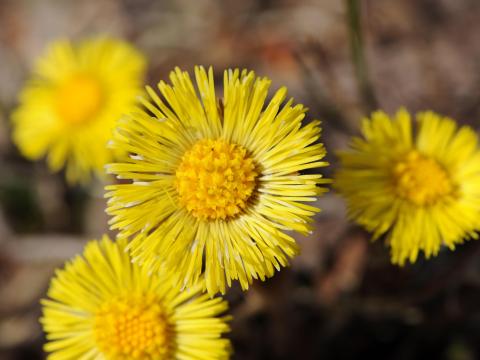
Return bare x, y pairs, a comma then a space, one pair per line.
70, 105
419, 186
101, 306
214, 185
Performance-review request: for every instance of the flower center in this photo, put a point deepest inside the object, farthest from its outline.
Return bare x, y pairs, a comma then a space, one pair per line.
78, 99
132, 327
215, 179
421, 180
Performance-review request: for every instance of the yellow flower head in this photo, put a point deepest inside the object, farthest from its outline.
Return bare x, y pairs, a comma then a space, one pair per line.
423, 190
214, 184
101, 306
70, 105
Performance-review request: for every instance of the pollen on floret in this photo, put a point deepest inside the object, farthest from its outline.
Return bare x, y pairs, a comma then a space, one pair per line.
215, 179
421, 179
133, 327
79, 99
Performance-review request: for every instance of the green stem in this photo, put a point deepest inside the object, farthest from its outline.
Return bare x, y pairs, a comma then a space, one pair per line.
358, 56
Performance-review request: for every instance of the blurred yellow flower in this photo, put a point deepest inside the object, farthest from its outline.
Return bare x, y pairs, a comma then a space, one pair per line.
101, 306
215, 184
421, 186
70, 105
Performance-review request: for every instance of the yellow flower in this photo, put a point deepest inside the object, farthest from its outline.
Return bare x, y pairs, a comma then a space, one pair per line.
214, 185
70, 105
421, 190
101, 306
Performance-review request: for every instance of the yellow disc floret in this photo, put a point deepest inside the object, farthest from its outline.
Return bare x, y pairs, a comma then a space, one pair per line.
215, 179
421, 180
79, 99
132, 327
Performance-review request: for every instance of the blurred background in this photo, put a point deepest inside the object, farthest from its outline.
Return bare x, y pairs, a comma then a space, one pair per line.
340, 299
